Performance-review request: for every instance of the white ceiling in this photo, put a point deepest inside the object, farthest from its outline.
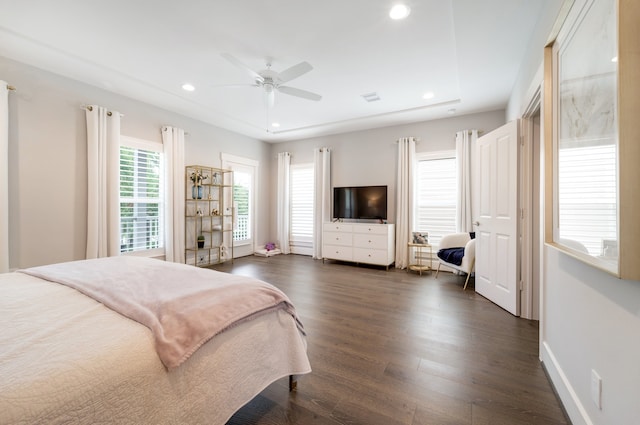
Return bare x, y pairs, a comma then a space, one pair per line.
467, 52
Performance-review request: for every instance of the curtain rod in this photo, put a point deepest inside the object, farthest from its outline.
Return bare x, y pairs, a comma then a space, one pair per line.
186, 133
416, 139
90, 108
11, 88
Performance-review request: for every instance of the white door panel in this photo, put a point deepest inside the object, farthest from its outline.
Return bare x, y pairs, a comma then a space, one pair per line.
497, 231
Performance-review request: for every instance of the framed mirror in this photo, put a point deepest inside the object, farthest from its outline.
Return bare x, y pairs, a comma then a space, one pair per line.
590, 157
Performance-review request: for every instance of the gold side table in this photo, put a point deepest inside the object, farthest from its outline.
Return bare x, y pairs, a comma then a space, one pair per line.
419, 265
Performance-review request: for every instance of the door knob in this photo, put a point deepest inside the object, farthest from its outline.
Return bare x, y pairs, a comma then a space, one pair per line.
476, 223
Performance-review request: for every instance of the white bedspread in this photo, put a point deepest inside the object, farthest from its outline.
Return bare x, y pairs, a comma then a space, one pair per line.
184, 306
65, 358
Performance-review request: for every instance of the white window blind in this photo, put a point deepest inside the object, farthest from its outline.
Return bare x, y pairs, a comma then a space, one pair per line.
587, 190
141, 193
242, 202
301, 214
436, 188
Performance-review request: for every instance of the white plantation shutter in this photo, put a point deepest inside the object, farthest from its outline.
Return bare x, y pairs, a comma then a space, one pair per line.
141, 194
301, 201
436, 195
587, 190
242, 202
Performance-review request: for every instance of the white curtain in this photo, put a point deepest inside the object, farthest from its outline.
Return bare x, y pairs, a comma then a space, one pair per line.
404, 198
4, 177
322, 196
174, 196
465, 141
103, 165
282, 213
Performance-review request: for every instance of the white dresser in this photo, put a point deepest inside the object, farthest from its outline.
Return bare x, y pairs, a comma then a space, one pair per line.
367, 243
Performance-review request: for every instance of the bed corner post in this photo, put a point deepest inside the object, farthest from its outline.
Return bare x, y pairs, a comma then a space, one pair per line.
293, 383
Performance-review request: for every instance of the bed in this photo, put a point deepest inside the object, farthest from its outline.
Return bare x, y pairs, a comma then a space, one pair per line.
67, 358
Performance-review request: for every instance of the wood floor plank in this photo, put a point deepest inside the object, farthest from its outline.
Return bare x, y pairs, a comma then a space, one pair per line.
391, 347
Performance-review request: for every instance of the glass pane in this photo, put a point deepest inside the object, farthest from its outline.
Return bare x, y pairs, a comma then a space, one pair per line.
242, 201
302, 202
140, 207
436, 198
587, 135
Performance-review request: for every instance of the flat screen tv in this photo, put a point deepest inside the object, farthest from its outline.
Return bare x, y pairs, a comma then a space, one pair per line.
360, 202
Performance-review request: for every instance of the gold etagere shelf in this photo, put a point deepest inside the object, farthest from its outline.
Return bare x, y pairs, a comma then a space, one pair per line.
209, 215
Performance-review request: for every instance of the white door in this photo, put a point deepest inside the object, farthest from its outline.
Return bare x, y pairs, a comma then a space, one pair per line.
496, 225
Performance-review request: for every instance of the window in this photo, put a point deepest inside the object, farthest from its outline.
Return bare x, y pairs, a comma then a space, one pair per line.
241, 199
301, 216
245, 171
436, 195
141, 194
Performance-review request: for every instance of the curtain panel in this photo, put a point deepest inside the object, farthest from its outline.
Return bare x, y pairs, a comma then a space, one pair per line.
174, 196
322, 196
283, 215
405, 198
103, 165
4, 177
465, 141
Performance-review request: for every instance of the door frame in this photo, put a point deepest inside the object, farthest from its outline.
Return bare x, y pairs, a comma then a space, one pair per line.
528, 234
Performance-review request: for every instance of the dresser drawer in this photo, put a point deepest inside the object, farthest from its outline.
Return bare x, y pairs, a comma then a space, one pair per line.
370, 241
371, 229
337, 227
335, 238
371, 256
337, 252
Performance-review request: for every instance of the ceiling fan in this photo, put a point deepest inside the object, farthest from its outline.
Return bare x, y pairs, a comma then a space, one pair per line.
271, 81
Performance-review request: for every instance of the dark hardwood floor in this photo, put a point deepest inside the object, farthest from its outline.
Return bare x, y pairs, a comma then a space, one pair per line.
391, 347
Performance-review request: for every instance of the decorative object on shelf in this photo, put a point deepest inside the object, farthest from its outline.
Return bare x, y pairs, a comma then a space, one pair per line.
215, 212
421, 238
200, 241
197, 178
216, 178
196, 192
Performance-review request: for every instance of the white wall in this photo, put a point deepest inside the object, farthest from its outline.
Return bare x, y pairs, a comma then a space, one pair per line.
47, 154
590, 320
370, 157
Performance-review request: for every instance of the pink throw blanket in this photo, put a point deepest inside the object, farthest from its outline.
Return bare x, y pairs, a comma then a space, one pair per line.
184, 306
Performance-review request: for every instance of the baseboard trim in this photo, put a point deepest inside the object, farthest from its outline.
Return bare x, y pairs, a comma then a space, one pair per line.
570, 401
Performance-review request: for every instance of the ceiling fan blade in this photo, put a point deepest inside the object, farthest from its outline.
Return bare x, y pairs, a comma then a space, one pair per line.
294, 72
240, 65
292, 91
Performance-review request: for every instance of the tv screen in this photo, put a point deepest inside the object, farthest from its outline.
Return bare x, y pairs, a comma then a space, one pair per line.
360, 202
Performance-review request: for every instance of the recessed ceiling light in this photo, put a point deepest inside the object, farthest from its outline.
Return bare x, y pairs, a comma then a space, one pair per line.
188, 87
428, 95
399, 11
275, 124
